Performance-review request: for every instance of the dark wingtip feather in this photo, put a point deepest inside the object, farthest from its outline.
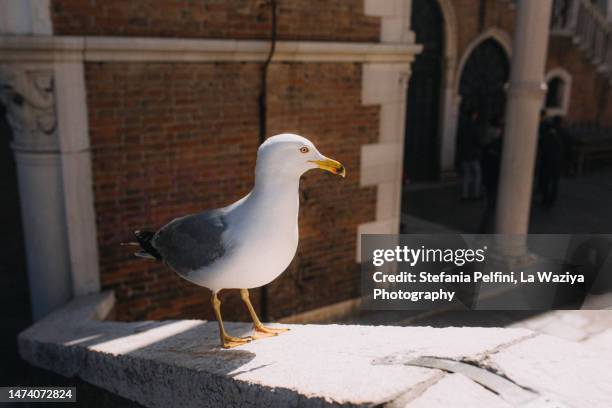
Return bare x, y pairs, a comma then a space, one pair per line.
148, 250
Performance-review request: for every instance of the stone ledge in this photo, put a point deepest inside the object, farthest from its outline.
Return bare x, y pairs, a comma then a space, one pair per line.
178, 363
150, 49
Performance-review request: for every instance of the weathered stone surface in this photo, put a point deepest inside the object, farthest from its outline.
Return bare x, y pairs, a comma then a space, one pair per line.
444, 393
575, 325
179, 363
569, 372
601, 341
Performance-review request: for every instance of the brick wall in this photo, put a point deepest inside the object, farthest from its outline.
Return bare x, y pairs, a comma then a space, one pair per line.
323, 102
163, 137
161, 133
327, 20
590, 90
496, 14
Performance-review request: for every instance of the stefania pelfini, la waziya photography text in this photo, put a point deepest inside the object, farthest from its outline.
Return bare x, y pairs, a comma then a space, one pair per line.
484, 272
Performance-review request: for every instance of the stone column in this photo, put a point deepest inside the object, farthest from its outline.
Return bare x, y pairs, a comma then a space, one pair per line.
43, 90
385, 84
450, 122
25, 17
45, 105
525, 98
382, 162
28, 95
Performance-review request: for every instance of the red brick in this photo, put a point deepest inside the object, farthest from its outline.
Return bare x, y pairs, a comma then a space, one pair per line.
149, 170
329, 20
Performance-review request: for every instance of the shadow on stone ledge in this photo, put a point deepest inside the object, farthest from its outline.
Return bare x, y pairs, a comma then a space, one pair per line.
179, 363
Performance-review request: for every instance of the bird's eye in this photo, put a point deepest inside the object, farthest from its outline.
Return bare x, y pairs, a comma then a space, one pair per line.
304, 149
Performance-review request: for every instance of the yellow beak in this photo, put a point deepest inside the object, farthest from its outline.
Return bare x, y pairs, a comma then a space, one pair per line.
330, 165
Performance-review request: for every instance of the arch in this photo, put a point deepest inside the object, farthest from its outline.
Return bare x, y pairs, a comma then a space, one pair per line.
496, 34
565, 85
452, 97
483, 79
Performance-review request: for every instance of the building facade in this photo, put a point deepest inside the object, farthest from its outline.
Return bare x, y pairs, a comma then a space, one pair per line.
126, 115
469, 44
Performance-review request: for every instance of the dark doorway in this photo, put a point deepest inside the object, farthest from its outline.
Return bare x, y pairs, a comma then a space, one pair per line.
423, 100
483, 81
14, 294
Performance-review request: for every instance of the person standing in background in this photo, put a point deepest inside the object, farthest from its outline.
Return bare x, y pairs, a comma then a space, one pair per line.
491, 162
551, 148
566, 139
470, 137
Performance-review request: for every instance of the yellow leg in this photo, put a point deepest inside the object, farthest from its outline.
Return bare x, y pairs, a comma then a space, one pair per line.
260, 329
227, 341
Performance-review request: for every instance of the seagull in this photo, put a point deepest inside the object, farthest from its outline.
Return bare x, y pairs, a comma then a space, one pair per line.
249, 243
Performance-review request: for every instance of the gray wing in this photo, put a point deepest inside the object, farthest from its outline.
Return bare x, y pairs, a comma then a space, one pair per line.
192, 242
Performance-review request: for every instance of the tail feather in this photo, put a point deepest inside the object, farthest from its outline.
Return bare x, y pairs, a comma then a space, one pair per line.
143, 254
147, 249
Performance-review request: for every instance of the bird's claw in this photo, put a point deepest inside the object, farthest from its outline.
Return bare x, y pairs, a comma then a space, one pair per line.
231, 341
260, 332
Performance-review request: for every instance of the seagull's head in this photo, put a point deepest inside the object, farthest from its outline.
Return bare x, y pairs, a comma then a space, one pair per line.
293, 155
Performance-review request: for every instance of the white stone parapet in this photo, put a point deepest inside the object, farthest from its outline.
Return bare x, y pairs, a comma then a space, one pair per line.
179, 363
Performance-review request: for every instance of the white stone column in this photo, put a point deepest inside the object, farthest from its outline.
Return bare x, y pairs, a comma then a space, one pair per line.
46, 109
452, 102
77, 177
385, 84
382, 162
19, 17
28, 95
43, 90
525, 97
